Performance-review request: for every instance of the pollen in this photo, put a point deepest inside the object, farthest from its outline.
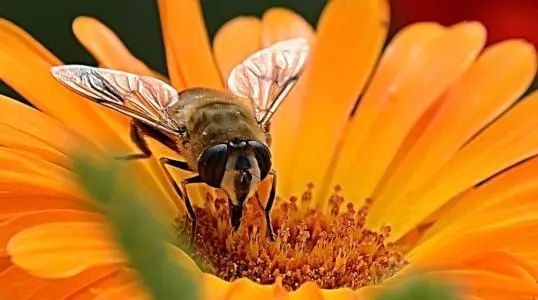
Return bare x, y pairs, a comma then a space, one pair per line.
330, 247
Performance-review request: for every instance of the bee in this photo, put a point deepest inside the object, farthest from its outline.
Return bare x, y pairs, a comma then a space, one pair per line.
223, 136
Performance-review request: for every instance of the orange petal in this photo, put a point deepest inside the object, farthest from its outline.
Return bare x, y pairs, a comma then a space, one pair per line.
22, 142
17, 140
131, 290
44, 129
486, 294
341, 293
235, 41
407, 46
31, 78
460, 247
246, 289
29, 165
369, 292
106, 47
15, 283
24, 167
474, 101
519, 210
172, 64
519, 207
506, 201
185, 34
216, 288
31, 200
29, 41
516, 182
25, 162
414, 90
503, 263
15, 182
474, 297
308, 290
409, 141
120, 277
184, 260
507, 141
472, 281
280, 24
5, 262
342, 59
63, 249
499, 262
26, 220
213, 287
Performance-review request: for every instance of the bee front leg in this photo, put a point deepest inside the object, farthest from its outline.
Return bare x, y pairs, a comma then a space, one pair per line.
191, 180
139, 131
182, 192
267, 209
137, 136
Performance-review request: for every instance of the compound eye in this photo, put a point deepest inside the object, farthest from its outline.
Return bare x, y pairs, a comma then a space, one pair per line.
263, 157
212, 164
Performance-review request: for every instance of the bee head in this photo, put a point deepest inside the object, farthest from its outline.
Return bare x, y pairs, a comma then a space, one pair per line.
237, 167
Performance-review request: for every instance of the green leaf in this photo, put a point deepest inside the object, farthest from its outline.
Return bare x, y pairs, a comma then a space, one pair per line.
138, 231
419, 289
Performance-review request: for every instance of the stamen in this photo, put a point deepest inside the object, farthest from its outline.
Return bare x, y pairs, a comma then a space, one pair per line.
332, 249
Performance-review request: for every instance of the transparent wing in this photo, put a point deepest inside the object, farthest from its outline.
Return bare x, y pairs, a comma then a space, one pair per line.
143, 98
267, 76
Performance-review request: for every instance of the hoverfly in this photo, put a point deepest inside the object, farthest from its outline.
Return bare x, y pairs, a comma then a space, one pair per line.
223, 136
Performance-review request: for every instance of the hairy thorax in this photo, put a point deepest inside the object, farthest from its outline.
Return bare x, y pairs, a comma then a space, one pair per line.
212, 117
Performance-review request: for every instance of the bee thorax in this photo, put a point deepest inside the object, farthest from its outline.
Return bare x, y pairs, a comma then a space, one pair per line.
218, 119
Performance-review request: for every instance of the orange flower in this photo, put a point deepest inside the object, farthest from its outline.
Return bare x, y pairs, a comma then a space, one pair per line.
438, 141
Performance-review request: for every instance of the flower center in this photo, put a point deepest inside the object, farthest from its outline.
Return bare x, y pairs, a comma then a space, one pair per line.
332, 249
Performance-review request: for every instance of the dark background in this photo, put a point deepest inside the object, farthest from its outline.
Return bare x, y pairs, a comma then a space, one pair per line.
137, 21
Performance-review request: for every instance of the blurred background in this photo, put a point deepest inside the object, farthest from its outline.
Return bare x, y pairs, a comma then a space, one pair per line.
137, 21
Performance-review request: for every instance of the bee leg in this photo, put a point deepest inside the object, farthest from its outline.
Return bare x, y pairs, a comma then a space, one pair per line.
138, 132
137, 136
181, 193
184, 182
272, 194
